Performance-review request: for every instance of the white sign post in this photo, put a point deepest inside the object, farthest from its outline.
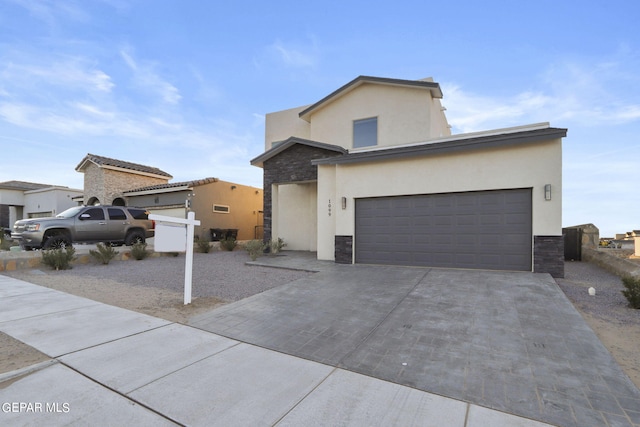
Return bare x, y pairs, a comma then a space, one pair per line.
172, 236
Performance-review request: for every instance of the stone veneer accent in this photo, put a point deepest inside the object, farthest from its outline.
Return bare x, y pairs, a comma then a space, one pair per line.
344, 249
291, 165
107, 185
548, 255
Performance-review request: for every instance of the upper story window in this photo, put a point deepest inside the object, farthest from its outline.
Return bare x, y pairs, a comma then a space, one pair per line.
365, 132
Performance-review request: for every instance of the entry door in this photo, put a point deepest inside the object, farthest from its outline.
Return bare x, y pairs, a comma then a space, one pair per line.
482, 229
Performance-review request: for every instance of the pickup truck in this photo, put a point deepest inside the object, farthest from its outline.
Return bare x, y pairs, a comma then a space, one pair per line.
85, 224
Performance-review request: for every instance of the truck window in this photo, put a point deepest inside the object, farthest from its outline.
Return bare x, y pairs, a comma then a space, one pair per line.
117, 214
139, 213
96, 214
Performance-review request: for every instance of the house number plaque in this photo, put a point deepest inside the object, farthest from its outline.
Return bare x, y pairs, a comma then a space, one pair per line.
329, 207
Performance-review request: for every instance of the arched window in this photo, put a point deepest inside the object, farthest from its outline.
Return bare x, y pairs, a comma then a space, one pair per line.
119, 201
93, 201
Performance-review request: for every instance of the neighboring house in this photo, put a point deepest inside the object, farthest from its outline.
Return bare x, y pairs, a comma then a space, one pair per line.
106, 179
19, 200
217, 204
371, 174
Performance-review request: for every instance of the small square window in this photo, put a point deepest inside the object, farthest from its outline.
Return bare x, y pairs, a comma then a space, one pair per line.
365, 132
221, 208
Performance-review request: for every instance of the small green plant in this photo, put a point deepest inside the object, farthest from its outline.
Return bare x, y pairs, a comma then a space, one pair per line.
228, 243
203, 243
59, 259
632, 290
255, 248
139, 251
103, 253
5, 242
277, 245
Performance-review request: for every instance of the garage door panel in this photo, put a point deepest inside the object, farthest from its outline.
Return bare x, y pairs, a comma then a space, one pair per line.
487, 229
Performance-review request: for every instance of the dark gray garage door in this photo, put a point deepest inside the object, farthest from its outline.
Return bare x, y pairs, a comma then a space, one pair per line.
483, 229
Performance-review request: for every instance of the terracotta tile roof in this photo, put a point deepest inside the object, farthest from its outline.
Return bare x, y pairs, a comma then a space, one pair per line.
106, 161
193, 183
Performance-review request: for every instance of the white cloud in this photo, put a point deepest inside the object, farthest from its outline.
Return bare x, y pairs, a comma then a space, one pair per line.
51, 11
75, 73
295, 55
569, 93
145, 76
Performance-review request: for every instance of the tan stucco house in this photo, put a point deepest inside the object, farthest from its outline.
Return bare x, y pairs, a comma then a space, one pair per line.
219, 205
371, 174
225, 207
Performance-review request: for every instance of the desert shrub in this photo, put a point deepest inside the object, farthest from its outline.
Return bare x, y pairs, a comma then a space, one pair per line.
255, 248
139, 251
228, 243
203, 243
5, 241
59, 259
632, 290
103, 253
277, 245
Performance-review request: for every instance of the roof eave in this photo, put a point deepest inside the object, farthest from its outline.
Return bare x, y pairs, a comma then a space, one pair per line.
133, 193
259, 161
436, 92
465, 144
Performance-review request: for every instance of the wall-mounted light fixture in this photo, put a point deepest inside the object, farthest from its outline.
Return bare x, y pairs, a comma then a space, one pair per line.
547, 192
344, 203
233, 187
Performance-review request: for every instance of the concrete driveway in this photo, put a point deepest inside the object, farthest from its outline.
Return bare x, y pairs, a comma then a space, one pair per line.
504, 340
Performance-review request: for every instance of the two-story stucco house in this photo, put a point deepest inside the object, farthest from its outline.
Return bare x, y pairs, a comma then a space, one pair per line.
371, 174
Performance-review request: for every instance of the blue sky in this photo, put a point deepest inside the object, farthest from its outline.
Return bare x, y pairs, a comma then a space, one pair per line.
184, 85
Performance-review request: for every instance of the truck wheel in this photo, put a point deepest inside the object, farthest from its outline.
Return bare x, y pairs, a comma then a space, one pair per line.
134, 237
57, 242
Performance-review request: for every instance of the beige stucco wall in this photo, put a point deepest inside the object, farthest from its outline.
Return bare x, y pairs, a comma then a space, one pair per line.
524, 166
11, 197
297, 224
281, 125
53, 200
404, 115
245, 204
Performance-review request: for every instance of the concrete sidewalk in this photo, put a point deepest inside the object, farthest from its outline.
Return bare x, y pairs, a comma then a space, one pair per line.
111, 366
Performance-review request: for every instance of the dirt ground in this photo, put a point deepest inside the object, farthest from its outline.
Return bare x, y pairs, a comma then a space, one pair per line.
622, 340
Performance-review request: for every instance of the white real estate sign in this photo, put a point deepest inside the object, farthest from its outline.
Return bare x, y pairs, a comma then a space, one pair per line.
176, 235
170, 238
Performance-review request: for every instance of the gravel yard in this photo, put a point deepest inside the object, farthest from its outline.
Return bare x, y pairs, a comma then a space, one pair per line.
608, 303
608, 313
217, 274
